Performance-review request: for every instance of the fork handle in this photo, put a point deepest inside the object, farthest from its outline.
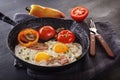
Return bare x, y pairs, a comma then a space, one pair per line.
105, 46
92, 44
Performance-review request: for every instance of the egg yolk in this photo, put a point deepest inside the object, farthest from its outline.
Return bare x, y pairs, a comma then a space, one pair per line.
60, 48
41, 56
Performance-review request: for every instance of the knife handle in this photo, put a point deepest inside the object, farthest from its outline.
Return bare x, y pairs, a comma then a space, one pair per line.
92, 44
105, 46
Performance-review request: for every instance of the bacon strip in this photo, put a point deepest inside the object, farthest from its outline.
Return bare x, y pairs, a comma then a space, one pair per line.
39, 46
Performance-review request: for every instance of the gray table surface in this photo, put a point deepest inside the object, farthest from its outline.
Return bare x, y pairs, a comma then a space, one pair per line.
100, 10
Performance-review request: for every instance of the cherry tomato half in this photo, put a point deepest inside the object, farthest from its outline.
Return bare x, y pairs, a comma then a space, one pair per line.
66, 36
79, 13
46, 32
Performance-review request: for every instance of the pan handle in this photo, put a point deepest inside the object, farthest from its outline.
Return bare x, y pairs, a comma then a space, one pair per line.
7, 19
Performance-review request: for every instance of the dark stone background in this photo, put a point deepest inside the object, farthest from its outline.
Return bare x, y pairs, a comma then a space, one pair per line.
100, 10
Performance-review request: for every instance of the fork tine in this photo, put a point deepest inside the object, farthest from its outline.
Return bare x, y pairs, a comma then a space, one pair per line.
88, 21
92, 24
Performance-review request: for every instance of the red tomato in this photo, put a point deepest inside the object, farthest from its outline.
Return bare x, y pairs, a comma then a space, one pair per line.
66, 36
79, 13
46, 32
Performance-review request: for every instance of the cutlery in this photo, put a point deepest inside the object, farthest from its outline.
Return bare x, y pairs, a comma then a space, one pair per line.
93, 34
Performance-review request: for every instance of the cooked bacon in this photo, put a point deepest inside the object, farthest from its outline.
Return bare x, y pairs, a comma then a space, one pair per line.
63, 60
39, 46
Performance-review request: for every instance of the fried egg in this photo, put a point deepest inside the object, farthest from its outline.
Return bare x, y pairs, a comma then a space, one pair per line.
41, 56
57, 53
60, 48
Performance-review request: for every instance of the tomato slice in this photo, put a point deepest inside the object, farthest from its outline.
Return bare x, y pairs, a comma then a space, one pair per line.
79, 13
66, 36
46, 32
